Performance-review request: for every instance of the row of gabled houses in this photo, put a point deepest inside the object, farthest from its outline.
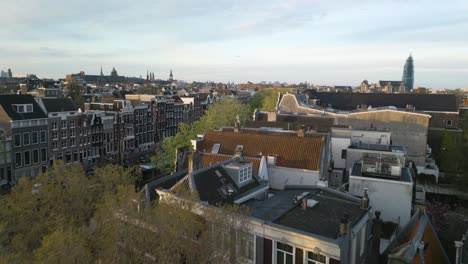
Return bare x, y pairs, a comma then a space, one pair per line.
37, 131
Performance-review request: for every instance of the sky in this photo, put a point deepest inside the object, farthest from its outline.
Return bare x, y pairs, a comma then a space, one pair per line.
322, 42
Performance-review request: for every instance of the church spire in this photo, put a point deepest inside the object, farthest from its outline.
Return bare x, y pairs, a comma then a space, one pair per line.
102, 74
170, 76
147, 75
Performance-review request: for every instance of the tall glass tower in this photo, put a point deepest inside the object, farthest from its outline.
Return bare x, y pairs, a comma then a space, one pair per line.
408, 74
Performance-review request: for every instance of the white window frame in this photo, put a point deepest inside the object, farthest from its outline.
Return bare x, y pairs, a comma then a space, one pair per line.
54, 126
275, 254
309, 260
245, 174
64, 124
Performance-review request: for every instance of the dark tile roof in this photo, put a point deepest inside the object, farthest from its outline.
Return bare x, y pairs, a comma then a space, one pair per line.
59, 104
8, 100
422, 102
291, 151
208, 184
209, 159
323, 219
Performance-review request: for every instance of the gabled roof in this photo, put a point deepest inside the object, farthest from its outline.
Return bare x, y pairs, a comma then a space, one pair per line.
59, 105
8, 100
291, 151
417, 243
422, 102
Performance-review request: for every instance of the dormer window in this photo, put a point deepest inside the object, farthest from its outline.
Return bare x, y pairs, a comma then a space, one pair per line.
245, 174
23, 108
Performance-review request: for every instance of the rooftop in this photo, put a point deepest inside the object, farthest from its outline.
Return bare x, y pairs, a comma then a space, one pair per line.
59, 104
405, 175
8, 100
323, 219
291, 151
421, 102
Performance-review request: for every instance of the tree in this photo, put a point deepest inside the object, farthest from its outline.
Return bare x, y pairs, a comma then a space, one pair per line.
75, 92
220, 114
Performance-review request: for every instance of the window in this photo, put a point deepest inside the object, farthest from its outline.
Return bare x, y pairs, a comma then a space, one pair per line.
23, 108
54, 135
55, 145
72, 133
64, 144
64, 134
64, 124
27, 158
17, 140
343, 153
54, 126
43, 154
72, 142
313, 258
35, 137
35, 156
245, 174
26, 139
72, 123
43, 136
18, 160
448, 123
333, 261
284, 253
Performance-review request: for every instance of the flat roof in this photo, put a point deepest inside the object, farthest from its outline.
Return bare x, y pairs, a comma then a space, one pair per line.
323, 219
405, 175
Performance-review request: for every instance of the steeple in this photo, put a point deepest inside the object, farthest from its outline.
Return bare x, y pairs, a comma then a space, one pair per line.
114, 72
408, 74
170, 76
147, 75
102, 74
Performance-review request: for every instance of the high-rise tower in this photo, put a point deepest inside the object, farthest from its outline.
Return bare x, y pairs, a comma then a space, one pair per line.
408, 74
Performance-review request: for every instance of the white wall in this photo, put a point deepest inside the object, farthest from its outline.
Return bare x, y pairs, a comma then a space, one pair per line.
337, 145
281, 177
371, 137
392, 198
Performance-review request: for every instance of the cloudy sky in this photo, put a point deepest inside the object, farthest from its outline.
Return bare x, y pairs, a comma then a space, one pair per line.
322, 42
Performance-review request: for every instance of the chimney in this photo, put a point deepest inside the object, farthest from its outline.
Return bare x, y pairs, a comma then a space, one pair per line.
190, 162
23, 88
376, 233
365, 200
304, 203
300, 131
344, 225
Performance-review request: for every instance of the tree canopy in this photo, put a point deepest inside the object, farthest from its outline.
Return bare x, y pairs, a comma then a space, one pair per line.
220, 114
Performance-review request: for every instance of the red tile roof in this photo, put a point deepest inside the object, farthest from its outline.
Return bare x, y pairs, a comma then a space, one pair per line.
292, 152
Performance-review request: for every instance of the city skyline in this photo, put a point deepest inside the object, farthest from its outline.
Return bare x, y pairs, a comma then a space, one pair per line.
320, 42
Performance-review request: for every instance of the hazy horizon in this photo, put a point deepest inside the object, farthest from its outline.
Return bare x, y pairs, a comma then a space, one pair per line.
321, 42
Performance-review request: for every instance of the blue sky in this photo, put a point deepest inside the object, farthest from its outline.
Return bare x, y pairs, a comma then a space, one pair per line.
322, 42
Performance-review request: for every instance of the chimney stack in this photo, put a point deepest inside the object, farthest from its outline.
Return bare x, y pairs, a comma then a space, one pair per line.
344, 225
376, 233
365, 200
301, 131
304, 203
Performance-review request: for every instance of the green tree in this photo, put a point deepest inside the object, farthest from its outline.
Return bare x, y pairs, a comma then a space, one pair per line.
75, 91
220, 114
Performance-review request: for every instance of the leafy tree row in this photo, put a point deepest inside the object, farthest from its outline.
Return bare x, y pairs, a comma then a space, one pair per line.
63, 216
